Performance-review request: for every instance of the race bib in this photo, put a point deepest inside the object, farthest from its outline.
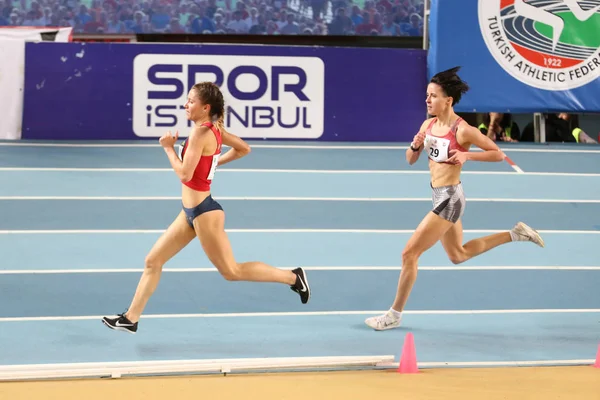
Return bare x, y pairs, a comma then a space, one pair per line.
437, 148
213, 167
180, 150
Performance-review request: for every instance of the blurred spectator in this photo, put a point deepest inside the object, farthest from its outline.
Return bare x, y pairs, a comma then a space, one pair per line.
371, 24
175, 26
318, 8
259, 17
138, 25
500, 127
390, 28
201, 22
356, 16
237, 25
291, 28
562, 127
571, 122
7, 9
415, 28
160, 18
341, 24
114, 24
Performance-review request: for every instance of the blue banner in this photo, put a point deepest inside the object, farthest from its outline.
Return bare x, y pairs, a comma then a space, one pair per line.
131, 91
520, 56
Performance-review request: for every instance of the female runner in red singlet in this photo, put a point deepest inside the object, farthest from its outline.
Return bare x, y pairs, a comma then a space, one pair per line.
201, 215
446, 139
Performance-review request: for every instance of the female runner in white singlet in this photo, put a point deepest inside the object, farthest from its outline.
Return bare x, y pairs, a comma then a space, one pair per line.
446, 140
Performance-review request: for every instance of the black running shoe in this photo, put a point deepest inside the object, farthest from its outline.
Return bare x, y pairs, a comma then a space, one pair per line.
120, 323
301, 285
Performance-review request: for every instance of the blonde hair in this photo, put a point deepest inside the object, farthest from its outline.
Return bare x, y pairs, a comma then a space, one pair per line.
220, 123
211, 94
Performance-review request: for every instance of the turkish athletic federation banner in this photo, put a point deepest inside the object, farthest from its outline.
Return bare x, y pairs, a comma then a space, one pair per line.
520, 56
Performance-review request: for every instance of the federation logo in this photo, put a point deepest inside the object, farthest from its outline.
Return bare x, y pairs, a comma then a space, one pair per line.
547, 44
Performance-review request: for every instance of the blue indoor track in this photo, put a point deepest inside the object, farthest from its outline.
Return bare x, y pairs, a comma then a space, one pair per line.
77, 221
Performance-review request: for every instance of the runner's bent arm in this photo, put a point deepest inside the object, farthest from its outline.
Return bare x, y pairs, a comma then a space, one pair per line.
491, 153
417, 143
195, 146
239, 148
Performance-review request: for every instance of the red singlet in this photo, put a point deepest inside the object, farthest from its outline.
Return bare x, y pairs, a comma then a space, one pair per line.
207, 165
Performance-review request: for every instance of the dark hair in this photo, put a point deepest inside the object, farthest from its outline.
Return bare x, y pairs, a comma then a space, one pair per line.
451, 84
211, 94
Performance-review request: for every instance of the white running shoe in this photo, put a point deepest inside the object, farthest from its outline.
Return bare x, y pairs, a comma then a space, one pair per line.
384, 322
524, 233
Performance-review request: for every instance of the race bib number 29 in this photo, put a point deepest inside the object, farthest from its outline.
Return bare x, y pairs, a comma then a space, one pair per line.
437, 148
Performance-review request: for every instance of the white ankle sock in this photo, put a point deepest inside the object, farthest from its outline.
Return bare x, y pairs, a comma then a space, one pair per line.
397, 314
513, 236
